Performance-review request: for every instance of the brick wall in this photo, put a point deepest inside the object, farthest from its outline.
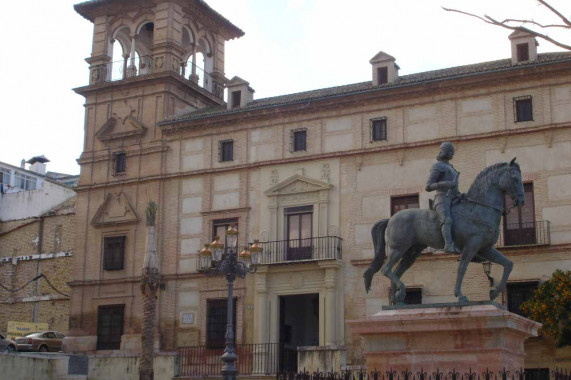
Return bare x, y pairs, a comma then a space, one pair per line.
37, 301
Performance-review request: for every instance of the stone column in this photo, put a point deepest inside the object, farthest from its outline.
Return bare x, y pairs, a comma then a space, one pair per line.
193, 76
261, 322
332, 312
132, 69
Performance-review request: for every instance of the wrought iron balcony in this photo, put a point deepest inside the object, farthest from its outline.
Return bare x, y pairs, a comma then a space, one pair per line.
301, 250
126, 69
262, 359
525, 234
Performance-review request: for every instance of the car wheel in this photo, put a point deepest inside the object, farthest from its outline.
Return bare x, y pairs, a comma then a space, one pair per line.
11, 348
43, 349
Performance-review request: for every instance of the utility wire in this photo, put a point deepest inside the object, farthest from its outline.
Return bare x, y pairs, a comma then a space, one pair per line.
32, 280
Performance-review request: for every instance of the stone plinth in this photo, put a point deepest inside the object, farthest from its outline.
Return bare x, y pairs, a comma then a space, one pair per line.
324, 358
446, 337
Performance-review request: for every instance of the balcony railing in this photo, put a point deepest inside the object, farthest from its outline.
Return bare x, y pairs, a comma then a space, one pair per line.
301, 250
525, 234
126, 69
263, 359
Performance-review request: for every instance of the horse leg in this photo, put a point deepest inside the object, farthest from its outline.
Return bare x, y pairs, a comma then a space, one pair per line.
468, 253
393, 257
495, 256
408, 259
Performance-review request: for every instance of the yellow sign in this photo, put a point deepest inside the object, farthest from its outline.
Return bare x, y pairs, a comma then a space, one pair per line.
18, 329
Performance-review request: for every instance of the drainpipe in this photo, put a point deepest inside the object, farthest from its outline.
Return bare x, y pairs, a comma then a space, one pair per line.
39, 246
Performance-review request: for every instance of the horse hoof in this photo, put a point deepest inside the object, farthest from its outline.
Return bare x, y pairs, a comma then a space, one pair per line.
463, 299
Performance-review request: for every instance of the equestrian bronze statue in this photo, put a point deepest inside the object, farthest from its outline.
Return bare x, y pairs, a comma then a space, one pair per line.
475, 227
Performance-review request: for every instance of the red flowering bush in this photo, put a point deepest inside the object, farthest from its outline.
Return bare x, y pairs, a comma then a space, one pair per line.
551, 306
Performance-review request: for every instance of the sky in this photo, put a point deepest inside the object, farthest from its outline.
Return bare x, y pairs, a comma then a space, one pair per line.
289, 46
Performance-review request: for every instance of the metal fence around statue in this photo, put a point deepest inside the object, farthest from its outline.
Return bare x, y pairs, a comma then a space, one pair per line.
504, 374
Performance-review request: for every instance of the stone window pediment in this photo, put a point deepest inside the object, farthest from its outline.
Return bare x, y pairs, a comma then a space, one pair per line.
115, 210
120, 127
297, 184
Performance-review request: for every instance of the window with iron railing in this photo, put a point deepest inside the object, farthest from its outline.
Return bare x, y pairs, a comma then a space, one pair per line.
113, 252
379, 129
119, 163
518, 293
298, 140
216, 321
110, 326
523, 109
519, 223
403, 202
299, 232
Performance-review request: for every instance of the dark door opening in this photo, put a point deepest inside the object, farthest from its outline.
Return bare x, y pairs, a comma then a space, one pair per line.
299, 326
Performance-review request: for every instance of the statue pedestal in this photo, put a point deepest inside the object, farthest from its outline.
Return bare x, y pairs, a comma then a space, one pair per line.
448, 336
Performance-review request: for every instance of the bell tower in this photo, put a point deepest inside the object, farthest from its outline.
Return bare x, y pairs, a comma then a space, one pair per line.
150, 60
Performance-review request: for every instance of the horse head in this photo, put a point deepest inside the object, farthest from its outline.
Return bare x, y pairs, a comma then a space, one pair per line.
511, 183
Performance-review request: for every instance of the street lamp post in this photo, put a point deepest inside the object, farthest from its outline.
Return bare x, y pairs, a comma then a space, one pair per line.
223, 259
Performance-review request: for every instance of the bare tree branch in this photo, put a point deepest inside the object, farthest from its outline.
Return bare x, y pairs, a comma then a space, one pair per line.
565, 19
535, 23
489, 20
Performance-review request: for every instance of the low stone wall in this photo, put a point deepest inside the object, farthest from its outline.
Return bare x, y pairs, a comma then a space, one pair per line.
56, 366
25, 367
126, 367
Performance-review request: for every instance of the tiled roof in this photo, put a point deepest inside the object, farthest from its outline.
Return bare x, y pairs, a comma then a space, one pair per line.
84, 7
405, 80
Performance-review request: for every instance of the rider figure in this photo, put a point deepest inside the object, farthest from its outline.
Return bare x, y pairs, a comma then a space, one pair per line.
443, 179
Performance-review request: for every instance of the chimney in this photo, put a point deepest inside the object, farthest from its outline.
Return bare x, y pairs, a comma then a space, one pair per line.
23, 163
38, 164
385, 70
524, 47
240, 93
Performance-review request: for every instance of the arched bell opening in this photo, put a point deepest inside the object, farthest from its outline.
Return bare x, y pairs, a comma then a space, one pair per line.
144, 45
119, 47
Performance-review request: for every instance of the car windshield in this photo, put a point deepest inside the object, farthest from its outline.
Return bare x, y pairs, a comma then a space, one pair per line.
33, 335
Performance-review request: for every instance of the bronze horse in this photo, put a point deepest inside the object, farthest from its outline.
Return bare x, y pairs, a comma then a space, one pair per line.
476, 219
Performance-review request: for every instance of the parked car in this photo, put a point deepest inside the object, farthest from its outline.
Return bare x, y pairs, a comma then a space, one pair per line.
7, 344
40, 341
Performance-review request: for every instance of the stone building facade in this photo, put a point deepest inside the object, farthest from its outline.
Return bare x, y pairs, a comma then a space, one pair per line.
30, 247
307, 174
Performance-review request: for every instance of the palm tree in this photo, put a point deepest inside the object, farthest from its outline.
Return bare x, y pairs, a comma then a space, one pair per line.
149, 285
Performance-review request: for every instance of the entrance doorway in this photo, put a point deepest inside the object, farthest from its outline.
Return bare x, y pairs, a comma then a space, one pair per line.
299, 325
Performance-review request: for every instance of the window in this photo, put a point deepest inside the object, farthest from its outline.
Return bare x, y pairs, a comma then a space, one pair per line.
379, 129
236, 96
536, 374
382, 75
25, 182
403, 202
519, 224
225, 150
298, 139
119, 163
299, 222
523, 109
522, 52
518, 293
109, 327
413, 296
216, 320
220, 226
5, 176
113, 252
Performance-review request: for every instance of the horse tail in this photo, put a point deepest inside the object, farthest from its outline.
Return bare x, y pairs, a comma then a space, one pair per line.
378, 233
